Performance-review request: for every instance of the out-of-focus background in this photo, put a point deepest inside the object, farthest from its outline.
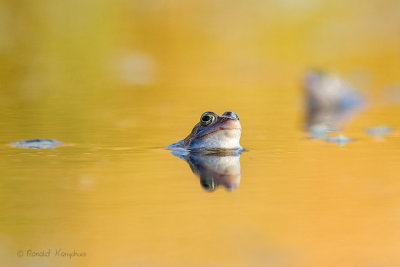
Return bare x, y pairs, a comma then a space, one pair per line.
120, 80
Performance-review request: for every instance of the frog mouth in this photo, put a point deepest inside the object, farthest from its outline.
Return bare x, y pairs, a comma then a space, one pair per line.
219, 129
226, 128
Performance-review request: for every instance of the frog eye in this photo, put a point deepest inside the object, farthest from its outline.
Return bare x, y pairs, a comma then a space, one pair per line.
207, 118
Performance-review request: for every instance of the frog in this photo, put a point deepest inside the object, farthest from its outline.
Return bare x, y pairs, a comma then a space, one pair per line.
330, 101
212, 133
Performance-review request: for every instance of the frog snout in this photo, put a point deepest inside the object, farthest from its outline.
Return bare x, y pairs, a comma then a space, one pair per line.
231, 115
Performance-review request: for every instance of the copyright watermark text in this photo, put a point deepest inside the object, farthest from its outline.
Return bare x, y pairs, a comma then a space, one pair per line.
46, 253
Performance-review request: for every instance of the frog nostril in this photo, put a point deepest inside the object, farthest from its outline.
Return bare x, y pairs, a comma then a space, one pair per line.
231, 115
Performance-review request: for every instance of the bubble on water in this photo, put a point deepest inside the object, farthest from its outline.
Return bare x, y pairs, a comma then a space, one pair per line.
379, 131
319, 131
341, 140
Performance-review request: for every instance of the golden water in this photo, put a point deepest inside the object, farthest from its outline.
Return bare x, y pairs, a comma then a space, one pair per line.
120, 80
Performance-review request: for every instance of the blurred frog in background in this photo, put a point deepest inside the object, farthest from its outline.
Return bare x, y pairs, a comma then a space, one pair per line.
330, 101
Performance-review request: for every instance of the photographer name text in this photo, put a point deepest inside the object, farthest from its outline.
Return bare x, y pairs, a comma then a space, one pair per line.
44, 253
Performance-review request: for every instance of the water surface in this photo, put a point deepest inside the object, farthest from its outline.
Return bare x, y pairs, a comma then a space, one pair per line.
120, 81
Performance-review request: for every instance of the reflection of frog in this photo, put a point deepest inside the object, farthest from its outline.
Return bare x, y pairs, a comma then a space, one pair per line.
214, 169
213, 132
329, 100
